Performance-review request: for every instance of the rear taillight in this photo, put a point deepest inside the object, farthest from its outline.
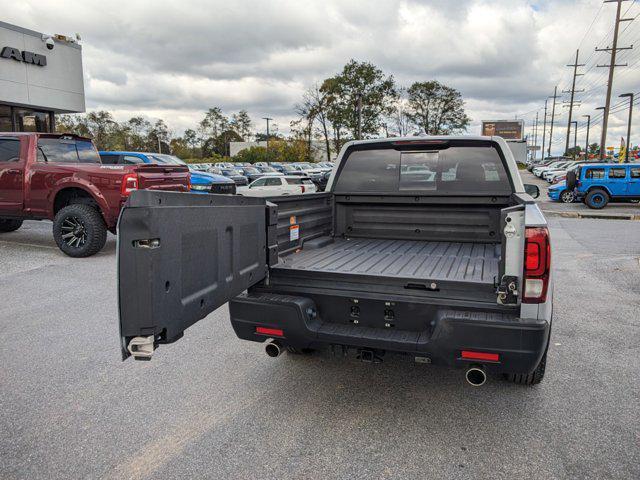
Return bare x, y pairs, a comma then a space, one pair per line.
302, 188
188, 182
537, 264
129, 184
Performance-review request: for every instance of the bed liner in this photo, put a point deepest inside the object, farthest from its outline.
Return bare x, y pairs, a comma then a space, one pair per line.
416, 259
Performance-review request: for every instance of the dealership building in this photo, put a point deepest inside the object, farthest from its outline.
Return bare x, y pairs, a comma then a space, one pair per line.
40, 75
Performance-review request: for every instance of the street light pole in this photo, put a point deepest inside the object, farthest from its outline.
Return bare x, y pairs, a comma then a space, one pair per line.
586, 146
628, 149
268, 119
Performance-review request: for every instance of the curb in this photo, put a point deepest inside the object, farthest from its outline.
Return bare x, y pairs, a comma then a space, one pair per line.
600, 216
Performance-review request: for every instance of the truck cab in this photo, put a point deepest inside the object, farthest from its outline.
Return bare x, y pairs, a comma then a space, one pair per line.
427, 247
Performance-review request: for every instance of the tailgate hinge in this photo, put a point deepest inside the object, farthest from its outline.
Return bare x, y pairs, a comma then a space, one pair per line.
508, 290
141, 348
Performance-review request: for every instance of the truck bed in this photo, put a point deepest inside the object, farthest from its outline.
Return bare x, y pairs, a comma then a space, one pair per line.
416, 260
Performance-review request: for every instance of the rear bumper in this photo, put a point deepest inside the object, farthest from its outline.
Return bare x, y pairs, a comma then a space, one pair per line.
519, 343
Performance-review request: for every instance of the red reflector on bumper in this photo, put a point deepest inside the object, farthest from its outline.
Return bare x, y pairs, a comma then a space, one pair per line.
491, 357
274, 332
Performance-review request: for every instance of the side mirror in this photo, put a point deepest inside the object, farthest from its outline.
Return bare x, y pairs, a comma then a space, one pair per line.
532, 190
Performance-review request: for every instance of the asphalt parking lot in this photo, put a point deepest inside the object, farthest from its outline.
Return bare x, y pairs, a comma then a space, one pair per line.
213, 406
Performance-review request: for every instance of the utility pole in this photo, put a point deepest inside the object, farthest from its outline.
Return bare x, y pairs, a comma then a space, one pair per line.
268, 119
601, 154
553, 114
359, 114
586, 147
544, 129
628, 149
612, 65
573, 90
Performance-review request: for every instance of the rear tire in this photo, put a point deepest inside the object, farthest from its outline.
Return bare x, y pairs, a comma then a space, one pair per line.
9, 225
79, 230
532, 378
596, 199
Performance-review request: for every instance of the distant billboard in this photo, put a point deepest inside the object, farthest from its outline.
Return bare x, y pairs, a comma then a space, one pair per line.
507, 129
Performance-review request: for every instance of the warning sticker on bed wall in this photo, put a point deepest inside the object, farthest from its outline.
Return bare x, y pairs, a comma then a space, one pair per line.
294, 232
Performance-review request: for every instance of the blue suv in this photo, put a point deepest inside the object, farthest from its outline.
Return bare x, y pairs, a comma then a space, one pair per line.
597, 184
201, 182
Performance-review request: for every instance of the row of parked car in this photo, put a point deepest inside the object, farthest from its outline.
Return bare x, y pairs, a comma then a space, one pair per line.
237, 178
594, 183
244, 174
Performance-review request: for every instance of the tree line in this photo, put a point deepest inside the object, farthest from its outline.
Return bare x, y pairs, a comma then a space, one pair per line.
361, 101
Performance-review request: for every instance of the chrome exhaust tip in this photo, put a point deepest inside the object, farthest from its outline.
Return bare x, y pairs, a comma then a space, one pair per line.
476, 376
273, 349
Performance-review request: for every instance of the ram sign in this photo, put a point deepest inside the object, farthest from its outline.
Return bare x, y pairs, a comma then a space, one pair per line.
507, 129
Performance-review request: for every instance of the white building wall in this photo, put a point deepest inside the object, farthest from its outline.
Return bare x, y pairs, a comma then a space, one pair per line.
57, 86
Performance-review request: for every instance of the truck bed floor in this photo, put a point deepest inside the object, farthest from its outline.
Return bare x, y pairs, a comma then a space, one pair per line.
414, 259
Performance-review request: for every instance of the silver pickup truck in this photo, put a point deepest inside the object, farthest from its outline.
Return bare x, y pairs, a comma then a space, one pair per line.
425, 246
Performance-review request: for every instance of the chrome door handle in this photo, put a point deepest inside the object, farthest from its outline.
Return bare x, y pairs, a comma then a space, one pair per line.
14, 170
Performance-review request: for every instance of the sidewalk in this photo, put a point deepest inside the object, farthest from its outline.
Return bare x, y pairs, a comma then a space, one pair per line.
613, 211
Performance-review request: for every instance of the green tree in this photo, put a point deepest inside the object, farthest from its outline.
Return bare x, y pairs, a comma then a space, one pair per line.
241, 123
256, 154
158, 137
436, 109
137, 130
358, 81
574, 151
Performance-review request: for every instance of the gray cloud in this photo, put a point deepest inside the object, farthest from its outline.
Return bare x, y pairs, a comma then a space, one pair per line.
176, 59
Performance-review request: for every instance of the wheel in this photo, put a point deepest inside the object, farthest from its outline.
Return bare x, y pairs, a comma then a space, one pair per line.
567, 196
597, 199
532, 378
9, 225
79, 230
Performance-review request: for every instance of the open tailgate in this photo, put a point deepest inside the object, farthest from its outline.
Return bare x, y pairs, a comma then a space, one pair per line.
180, 257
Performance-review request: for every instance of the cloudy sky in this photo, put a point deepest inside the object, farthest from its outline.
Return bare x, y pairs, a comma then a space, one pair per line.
173, 60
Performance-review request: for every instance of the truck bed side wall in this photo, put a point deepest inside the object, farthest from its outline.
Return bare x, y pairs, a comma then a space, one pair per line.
471, 219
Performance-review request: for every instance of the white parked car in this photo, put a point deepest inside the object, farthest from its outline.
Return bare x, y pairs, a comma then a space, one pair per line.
275, 186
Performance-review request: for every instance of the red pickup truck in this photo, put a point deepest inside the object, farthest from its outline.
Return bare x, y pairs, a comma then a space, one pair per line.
60, 177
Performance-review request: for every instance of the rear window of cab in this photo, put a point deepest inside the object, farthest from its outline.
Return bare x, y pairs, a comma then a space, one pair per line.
457, 169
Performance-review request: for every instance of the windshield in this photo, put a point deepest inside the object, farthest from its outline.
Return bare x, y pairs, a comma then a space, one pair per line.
228, 172
267, 169
251, 170
165, 159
